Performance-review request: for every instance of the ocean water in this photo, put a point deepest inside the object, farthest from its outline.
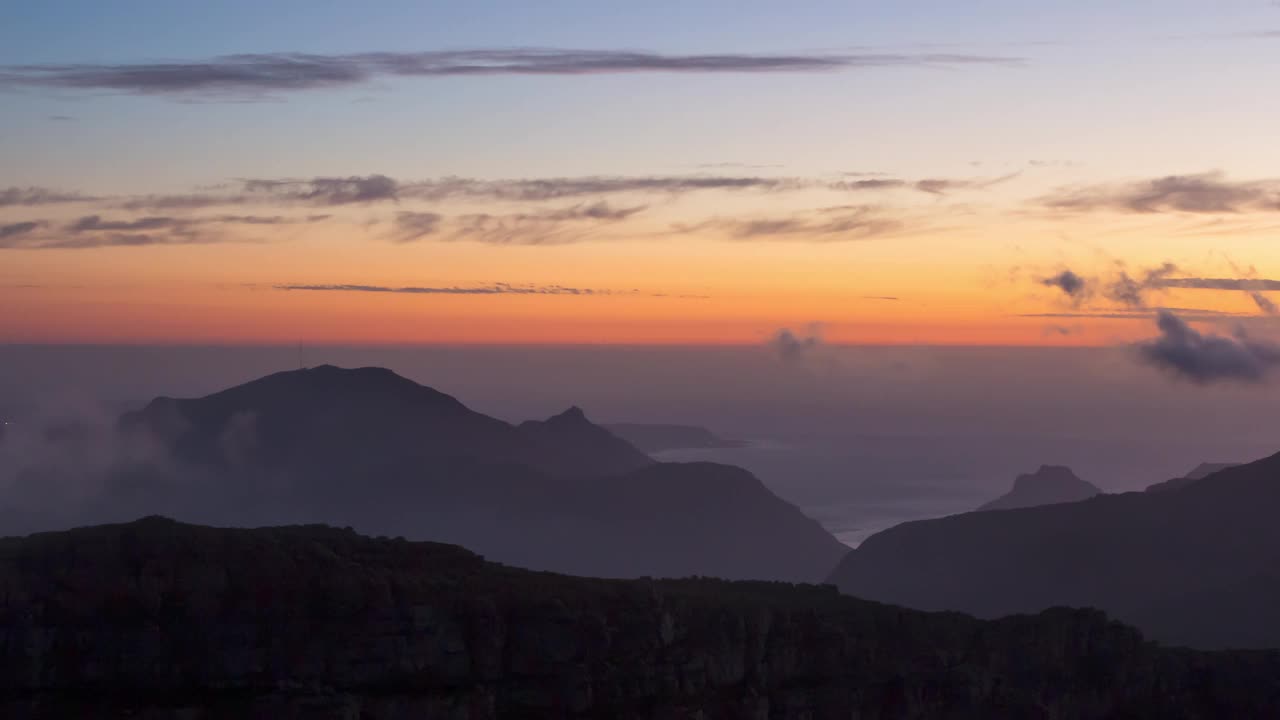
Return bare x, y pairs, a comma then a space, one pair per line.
856, 486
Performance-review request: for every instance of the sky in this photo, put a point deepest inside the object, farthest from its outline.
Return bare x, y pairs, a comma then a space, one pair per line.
666, 173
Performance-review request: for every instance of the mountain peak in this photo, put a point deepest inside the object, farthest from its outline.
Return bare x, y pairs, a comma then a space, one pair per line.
573, 415
1049, 485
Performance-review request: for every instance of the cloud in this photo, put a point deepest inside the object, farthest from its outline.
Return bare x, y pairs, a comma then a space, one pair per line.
595, 211
1121, 288
170, 237
95, 223
61, 118
1197, 283
1253, 287
931, 186
551, 227
1071, 284
792, 347
829, 225
879, 297
1203, 359
1202, 193
181, 202
329, 190
1191, 314
539, 189
19, 228
494, 289
869, 184
1130, 291
942, 186
93, 231
252, 75
38, 196
411, 226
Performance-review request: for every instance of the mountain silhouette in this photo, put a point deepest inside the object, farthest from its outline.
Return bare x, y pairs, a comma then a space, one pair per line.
1049, 485
163, 620
1201, 471
376, 451
1198, 566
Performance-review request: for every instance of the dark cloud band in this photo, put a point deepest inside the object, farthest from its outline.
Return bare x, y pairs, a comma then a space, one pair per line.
269, 73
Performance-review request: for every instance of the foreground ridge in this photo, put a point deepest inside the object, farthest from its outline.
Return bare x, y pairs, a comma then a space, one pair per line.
169, 620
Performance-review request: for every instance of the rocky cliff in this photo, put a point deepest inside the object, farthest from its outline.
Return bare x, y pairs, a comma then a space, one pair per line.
160, 620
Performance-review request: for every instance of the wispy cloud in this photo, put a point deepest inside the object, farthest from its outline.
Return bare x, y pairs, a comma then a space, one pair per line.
1206, 193
412, 226
39, 196
94, 231
1207, 358
12, 230
494, 289
1120, 287
1131, 291
550, 227
826, 225
329, 190
1197, 314
359, 190
252, 75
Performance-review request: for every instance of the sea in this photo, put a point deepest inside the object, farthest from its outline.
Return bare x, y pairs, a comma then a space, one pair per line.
857, 486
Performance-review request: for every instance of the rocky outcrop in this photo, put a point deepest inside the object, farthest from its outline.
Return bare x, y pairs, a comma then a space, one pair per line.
159, 620
1049, 485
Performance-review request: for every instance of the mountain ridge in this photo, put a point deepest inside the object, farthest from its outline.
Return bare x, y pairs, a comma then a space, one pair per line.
165, 620
1196, 566
379, 452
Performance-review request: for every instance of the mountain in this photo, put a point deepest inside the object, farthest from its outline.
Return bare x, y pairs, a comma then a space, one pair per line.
1049, 485
327, 415
1199, 566
656, 438
161, 620
1202, 471
376, 451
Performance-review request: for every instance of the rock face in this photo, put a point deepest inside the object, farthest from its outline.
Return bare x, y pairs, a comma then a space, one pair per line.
369, 449
1049, 485
1198, 566
159, 620
656, 438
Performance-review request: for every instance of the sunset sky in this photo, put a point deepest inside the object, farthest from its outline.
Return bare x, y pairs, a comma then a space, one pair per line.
984, 173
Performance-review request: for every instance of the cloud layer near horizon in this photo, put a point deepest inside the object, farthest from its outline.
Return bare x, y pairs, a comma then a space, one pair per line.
250, 75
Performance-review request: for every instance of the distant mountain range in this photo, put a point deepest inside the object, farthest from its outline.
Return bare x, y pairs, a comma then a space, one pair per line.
657, 438
1049, 485
1196, 565
370, 449
161, 620
1202, 471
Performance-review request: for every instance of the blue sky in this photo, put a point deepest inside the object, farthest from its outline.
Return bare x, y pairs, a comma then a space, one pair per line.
1095, 54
